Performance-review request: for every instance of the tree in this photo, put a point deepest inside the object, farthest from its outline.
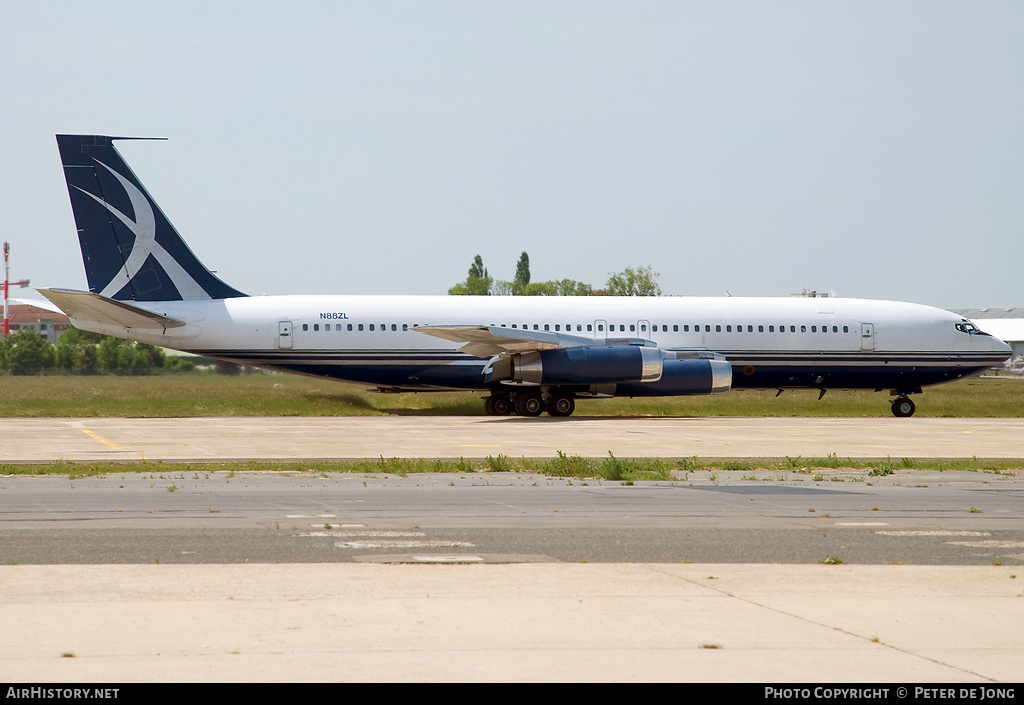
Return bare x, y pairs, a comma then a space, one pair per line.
478, 282
522, 279
27, 353
539, 289
108, 354
76, 351
150, 356
560, 287
477, 269
642, 281
500, 287
571, 287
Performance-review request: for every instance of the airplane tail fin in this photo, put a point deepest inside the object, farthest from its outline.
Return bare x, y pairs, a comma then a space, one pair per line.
131, 251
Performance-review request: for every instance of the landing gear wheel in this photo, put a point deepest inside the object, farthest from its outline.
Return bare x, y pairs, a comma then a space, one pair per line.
529, 404
903, 407
561, 405
498, 405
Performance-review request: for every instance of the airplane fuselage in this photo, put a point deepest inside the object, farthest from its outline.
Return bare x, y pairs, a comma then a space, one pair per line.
826, 343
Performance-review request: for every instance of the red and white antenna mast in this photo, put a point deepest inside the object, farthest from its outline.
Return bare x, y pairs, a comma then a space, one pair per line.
7, 287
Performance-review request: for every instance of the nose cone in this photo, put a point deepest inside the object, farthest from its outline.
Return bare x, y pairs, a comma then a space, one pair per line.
1002, 348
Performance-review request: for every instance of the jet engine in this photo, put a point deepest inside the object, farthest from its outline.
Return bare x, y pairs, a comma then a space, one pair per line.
632, 368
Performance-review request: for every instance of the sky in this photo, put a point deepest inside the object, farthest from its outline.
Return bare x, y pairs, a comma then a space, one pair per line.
870, 149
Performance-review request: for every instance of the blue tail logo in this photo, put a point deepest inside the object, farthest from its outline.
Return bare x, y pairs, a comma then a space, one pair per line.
131, 251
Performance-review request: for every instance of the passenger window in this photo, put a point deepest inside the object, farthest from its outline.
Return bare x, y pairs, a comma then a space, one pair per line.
792, 329
589, 327
632, 328
371, 326
547, 327
718, 329
557, 327
600, 328
760, 329
316, 326
360, 326
350, 326
394, 327
728, 329
305, 326
814, 329
803, 329
846, 329
675, 328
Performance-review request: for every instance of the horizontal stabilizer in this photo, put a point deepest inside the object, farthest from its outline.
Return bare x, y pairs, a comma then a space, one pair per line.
87, 306
35, 303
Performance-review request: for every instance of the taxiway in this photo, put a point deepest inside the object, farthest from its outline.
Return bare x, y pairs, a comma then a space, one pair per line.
290, 438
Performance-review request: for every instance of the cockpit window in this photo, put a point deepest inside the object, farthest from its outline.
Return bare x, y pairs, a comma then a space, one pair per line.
969, 328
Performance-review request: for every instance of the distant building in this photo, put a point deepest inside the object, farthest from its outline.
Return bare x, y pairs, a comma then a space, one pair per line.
1007, 324
48, 324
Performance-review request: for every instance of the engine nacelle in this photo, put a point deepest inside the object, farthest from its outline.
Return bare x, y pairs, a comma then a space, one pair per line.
685, 376
618, 370
597, 364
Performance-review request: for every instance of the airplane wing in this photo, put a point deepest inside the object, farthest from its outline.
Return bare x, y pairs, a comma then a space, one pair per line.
87, 306
485, 341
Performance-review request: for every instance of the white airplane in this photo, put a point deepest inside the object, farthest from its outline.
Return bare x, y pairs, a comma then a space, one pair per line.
531, 354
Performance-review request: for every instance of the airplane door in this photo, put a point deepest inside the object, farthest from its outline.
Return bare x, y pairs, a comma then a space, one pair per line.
643, 329
600, 329
867, 337
284, 335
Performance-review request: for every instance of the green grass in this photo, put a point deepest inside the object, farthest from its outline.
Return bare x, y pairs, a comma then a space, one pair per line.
627, 470
206, 394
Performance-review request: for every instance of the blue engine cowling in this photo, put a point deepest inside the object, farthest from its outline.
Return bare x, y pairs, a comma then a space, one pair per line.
598, 364
684, 376
635, 370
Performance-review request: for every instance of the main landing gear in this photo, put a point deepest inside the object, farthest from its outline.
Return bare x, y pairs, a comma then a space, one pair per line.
903, 407
533, 402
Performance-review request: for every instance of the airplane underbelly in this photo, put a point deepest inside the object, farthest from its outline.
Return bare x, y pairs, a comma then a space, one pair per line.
384, 368
896, 371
